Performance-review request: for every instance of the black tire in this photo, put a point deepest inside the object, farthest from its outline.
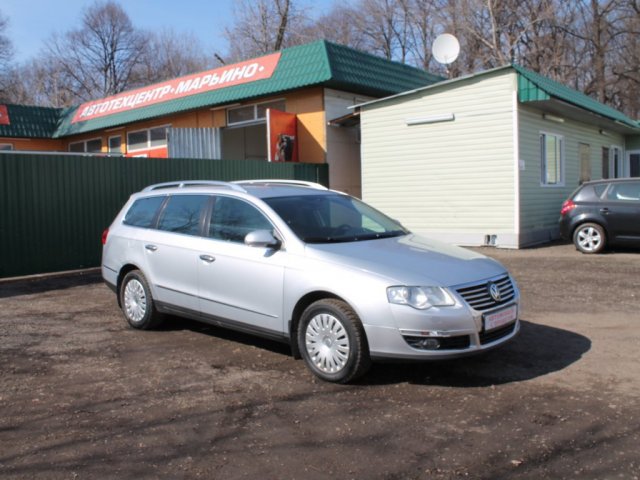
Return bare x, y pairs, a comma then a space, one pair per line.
589, 238
137, 303
332, 341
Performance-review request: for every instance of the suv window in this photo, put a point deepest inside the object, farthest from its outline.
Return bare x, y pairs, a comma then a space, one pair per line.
232, 219
626, 192
143, 211
183, 214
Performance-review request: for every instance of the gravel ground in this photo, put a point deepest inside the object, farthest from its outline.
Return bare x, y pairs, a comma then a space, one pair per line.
84, 396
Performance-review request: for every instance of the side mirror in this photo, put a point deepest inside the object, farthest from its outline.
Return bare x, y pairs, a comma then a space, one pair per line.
262, 239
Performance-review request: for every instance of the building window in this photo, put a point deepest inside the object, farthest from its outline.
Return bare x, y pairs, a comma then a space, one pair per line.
584, 154
617, 164
612, 162
93, 145
256, 112
150, 138
115, 144
552, 159
605, 162
6, 146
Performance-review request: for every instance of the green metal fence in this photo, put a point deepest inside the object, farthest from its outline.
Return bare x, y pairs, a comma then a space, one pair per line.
53, 208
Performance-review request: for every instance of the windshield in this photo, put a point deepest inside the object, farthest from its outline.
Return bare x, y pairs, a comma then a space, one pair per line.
333, 218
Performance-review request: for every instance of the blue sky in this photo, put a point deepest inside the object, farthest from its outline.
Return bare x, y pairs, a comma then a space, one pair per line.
31, 22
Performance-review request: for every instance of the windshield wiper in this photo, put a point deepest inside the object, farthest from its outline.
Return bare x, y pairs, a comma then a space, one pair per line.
356, 238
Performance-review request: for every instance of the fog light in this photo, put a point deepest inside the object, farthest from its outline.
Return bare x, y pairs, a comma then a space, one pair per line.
430, 343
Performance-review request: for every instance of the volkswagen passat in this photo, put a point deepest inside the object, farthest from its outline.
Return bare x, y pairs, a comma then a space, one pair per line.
340, 282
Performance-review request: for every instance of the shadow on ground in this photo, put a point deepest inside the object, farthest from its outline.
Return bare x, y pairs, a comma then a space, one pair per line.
538, 350
35, 285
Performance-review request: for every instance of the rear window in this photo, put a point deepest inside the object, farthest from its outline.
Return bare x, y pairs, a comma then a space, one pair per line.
183, 214
143, 212
590, 193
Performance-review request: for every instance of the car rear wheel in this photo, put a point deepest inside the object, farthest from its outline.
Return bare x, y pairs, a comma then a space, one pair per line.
332, 341
137, 303
589, 238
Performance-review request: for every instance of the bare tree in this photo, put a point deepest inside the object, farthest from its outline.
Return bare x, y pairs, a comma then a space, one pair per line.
170, 54
336, 26
6, 55
98, 59
264, 26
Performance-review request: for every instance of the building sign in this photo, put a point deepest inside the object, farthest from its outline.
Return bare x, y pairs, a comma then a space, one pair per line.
281, 136
4, 115
227, 76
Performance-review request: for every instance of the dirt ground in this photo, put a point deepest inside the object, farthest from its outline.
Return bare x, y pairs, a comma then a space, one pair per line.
84, 396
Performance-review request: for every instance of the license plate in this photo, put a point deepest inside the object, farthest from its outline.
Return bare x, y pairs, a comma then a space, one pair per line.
500, 318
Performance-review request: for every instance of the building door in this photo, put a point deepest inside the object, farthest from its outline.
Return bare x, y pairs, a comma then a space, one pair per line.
584, 152
634, 163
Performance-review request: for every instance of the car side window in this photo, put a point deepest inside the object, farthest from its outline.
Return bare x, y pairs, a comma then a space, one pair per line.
183, 214
625, 192
232, 219
143, 211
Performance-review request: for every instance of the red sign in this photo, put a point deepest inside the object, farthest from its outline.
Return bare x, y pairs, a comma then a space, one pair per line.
4, 115
227, 76
281, 135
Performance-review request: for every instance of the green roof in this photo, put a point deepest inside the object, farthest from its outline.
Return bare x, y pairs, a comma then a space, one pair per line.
318, 63
534, 87
31, 122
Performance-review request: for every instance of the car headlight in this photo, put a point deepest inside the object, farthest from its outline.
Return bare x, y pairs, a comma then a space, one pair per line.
420, 297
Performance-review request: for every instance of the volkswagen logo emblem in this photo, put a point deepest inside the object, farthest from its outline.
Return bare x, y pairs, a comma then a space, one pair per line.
494, 291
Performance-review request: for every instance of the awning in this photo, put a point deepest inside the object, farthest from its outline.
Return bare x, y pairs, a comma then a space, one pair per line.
349, 120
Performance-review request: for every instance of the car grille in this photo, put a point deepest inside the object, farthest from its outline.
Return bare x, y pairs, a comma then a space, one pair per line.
479, 298
493, 335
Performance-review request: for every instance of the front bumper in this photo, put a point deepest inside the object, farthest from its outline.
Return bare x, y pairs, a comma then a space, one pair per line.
472, 326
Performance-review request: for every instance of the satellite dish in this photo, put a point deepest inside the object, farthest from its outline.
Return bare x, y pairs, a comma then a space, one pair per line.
445, 48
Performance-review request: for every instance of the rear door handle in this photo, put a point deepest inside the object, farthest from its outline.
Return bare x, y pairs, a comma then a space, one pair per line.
208, 258
151, 248
604, 210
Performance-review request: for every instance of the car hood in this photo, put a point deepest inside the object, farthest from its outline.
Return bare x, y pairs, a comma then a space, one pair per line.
409, 260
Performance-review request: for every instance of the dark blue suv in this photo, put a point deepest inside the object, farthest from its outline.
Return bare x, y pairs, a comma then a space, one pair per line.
601, 213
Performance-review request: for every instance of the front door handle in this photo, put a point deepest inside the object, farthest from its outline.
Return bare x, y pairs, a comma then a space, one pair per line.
151, 248
208, 258
604, 210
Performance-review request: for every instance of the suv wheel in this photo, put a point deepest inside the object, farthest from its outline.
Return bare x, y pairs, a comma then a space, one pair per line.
332, 341
589, 238
137, 303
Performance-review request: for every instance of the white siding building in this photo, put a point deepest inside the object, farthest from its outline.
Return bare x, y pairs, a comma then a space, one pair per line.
488, 159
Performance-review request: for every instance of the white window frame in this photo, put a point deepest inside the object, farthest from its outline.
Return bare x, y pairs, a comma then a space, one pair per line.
255, 118
543, 160
619, 162
3, 145
148, 130
109, 144
628, 160
84, 144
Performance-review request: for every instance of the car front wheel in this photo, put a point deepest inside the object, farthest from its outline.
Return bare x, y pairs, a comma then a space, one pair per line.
137, 303
332, 341
589, 238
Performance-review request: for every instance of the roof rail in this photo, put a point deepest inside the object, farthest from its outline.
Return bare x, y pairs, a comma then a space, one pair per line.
194, 183
276, 181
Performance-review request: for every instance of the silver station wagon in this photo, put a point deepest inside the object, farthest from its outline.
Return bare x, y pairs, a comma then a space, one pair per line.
342, 283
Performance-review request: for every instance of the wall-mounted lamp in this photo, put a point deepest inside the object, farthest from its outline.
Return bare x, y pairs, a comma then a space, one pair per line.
552, 118
603, 132
443, 117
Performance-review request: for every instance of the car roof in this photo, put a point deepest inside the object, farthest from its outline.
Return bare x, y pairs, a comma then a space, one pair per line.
611, 180
256, 188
